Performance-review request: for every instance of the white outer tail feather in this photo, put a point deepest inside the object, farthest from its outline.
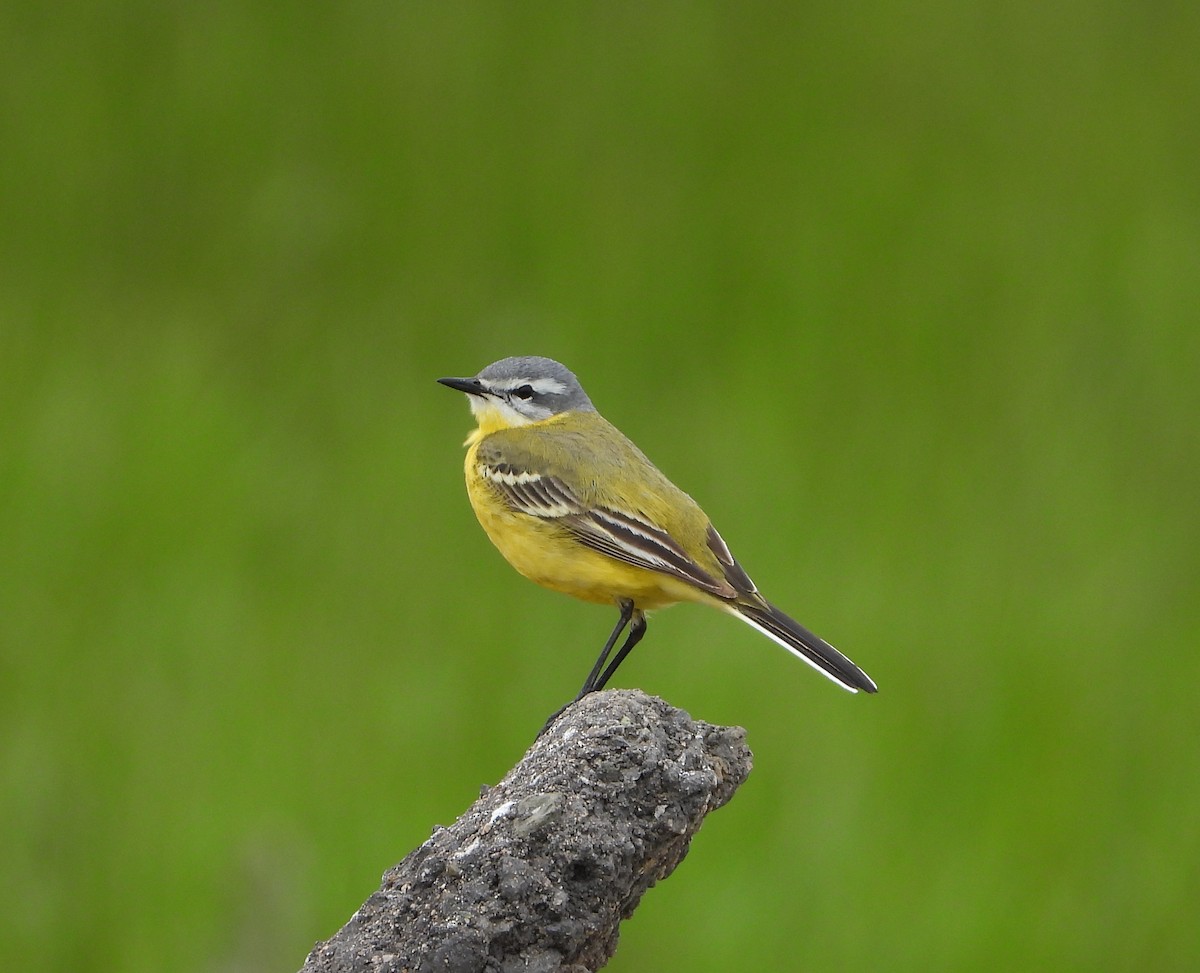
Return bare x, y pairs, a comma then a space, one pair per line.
792, 649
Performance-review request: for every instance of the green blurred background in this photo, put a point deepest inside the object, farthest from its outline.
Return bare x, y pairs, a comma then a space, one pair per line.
905, 294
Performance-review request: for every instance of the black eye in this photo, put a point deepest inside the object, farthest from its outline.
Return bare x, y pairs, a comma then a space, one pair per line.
523, 392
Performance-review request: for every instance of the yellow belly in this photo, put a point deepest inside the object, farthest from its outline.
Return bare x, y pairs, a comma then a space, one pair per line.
546, 553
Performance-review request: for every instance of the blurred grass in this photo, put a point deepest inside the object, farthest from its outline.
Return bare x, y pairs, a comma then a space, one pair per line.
905, 295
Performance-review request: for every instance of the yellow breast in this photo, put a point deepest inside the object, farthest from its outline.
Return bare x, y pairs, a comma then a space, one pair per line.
545, 552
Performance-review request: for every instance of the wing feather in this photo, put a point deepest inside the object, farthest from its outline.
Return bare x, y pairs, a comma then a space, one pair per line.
734, 573
619, 534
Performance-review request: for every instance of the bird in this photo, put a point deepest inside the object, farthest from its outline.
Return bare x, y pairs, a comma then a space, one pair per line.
575, 506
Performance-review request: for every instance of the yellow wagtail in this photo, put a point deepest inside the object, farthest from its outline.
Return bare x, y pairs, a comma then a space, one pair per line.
575, 506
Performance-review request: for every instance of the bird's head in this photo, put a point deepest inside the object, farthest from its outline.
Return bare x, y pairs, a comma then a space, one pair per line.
518, 391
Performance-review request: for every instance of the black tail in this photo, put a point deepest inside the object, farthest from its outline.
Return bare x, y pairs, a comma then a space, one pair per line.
800, 641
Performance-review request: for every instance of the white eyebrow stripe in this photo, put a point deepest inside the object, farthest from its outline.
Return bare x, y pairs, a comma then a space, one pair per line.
541, 386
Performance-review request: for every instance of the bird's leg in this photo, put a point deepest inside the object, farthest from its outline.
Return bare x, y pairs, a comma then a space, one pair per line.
636, 630
590, 684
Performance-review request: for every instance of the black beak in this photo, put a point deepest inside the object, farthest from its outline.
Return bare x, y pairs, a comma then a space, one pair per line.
472, 386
